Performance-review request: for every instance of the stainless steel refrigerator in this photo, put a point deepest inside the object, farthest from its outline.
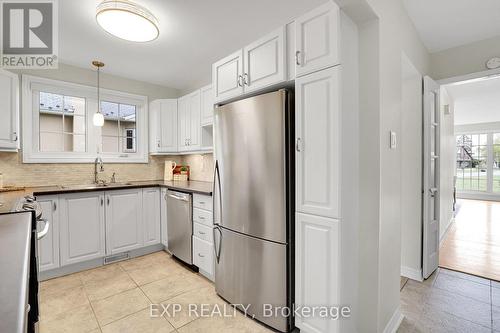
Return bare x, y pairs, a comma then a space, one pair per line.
253, 204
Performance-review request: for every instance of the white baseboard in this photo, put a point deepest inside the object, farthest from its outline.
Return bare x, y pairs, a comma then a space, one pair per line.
393, 324
411, 273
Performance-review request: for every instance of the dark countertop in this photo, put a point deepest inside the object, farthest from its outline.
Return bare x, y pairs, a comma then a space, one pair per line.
8, 200
15, 244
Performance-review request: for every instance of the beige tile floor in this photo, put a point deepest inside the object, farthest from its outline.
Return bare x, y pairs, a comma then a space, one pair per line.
117, 298
450, 301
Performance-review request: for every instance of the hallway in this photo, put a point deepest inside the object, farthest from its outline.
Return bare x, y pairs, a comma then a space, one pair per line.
472, 244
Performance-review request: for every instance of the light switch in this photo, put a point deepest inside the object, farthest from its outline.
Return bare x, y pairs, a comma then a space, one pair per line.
394, 140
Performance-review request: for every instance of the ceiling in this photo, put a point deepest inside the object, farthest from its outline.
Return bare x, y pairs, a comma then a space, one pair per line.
476, 101
193, 35
443, 24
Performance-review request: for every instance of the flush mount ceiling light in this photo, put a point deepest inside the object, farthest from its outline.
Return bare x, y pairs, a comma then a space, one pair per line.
127, 20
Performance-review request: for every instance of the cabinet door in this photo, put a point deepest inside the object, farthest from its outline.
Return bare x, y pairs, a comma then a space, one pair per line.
317, 39
316, 269
264, 61
317, 143
163, 206
207, 105
151, 215
154, 126
124, 227
168, 125
227, 77
203, 257
183, 110
194, 121
48, 246
9, 111
82, 230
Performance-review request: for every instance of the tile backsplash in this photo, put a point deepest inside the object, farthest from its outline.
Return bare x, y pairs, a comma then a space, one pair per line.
18, 174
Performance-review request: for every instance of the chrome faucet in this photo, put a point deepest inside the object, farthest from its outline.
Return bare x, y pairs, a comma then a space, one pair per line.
98, 160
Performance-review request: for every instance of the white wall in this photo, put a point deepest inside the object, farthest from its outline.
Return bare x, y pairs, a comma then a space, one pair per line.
448, 161
411, 171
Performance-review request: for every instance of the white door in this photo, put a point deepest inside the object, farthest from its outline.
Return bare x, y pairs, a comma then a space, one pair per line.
82, 230
182, 128
163, 207
431, 177
264, 61
9, 110
151, 215
194, 121
207, 105
317, 39
227, 76
317, 130
124, 227
48, 246
317, 260
168, 125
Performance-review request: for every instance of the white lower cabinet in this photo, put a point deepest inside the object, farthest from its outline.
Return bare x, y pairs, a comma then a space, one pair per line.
203, 257
82, 230
48, 246
163, 213
151, 215
124, 227
317, 260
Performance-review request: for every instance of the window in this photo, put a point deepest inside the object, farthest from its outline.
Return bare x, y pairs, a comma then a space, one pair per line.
57, 124
472, 155
62, 123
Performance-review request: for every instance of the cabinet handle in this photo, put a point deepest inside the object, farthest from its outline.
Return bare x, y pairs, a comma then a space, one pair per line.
108, 201
201, 233
15, 136
158, 143
201, 217
297, 58
240, 81
102, 202
201, 202
298, 145
245, 79
55, 206
201, 255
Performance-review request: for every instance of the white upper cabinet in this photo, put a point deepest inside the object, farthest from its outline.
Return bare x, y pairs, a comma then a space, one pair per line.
189, 126
151, 215
317, 130
207, 105
264, 61
317, 262
49, 245
124, 225
9, 111
163, 126
227, 76
317, 39
82, 230
183, 123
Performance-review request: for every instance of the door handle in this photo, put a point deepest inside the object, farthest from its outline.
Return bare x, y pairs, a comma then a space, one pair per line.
177, 197
297, 58
298, 145
217, 248
45, 231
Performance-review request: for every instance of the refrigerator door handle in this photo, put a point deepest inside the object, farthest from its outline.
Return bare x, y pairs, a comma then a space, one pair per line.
217, 186
217, 248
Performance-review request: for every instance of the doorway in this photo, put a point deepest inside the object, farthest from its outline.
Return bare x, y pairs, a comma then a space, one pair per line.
471, 242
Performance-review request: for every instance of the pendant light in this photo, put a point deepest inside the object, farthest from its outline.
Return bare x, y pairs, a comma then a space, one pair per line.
98, 119
127, 20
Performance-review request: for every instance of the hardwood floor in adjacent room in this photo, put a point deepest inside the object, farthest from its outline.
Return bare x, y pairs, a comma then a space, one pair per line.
472, 244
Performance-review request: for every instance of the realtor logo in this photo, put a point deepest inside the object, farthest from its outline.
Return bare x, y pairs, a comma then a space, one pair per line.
28, 34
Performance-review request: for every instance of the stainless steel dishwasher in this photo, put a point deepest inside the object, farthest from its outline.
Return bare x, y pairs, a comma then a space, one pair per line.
180, 225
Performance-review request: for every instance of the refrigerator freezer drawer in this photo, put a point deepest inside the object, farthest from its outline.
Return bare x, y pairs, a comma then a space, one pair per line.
251, 271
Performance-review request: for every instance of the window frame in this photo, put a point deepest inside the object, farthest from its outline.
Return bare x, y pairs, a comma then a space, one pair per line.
31, 85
